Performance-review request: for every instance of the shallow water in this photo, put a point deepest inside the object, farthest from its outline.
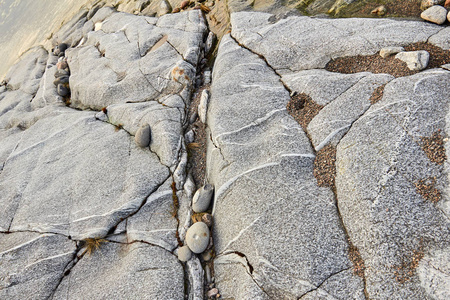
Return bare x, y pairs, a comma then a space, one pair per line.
28, 23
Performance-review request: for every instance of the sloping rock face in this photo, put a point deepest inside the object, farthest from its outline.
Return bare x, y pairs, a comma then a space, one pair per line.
73, 180
377, 227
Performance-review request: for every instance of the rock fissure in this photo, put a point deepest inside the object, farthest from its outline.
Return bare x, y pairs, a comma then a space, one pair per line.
67, 269
265, 60
322, 283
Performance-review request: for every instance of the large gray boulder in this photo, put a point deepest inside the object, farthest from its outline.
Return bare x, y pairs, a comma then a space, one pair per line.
72, 176
268, 209
400, 233
388, 213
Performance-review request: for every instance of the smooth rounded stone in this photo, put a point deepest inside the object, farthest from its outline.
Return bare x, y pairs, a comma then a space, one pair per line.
429, 3
184, 253
61, 80
197, 237
202, 198
388, 51
207, 219
415, 60
448, 16
62, 90
142, 136
436, 14
61, 73
203, 106
164, 8
212, 293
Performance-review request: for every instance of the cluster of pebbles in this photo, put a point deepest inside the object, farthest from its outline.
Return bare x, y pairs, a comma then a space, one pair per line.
198, 237
62, 74
415, 60
434, 11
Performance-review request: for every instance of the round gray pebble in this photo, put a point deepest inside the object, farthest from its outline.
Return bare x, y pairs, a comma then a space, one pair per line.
197, 237
202, 198
184, 253
142, 136
62, 90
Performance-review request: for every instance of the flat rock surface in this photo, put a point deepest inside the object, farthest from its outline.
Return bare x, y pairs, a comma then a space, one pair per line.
381, 230
118, 271
69, 175
270, 190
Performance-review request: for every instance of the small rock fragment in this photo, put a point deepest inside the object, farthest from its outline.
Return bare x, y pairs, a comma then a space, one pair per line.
429, 3
202, 198
184, 253
447, 3
101, 116
142, 136
164, 8
212, 293
209, 42
207, 77
207, 219
380, 10
448, 16
388, 51
415, 60
189, 136
62, 90
446, 67
207, 274
203, 106
176, 10
435, 14
197, 237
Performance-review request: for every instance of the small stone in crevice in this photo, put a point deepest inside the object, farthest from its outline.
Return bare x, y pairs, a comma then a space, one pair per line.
325, 166
434, 147
303, 109
377, 94
426, 188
